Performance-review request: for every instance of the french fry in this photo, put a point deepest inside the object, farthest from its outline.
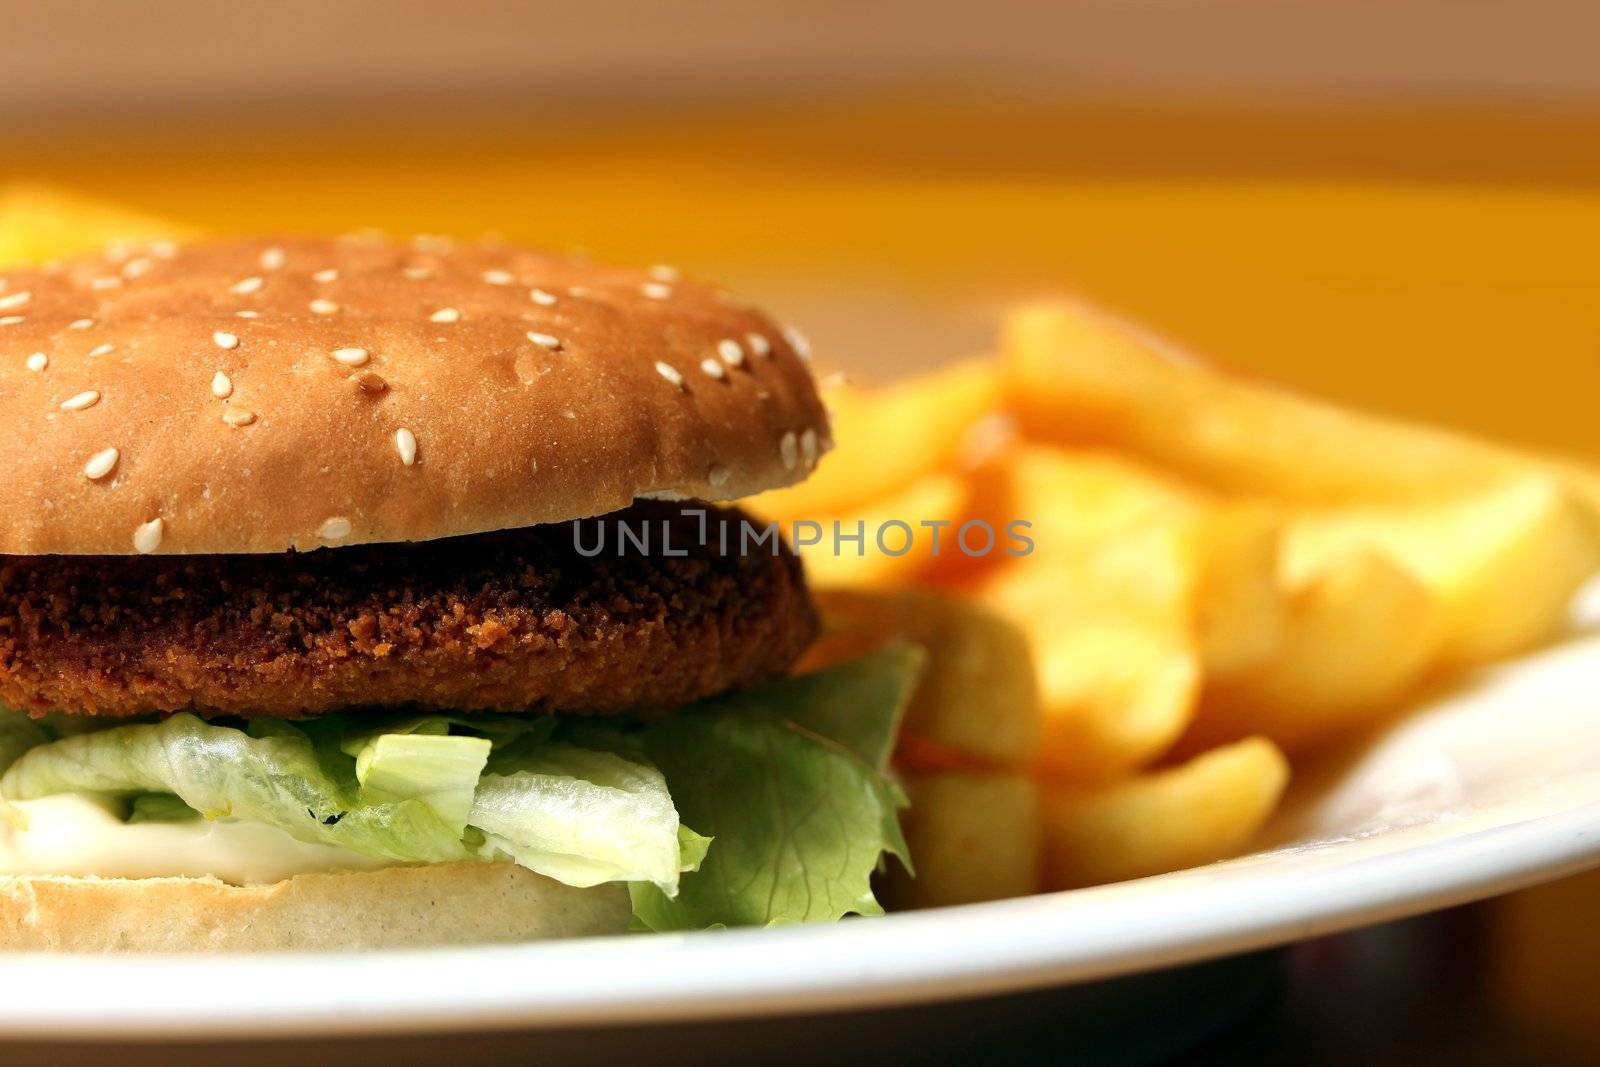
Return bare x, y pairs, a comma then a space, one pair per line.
887, 439
977, 698
1106, 599
1504, 563
940, 496
972, 837
1240, 604
1357, 638
1076, 375
40, 223
1204, 810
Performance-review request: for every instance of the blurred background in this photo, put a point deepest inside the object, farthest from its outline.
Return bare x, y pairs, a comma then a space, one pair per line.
1395, 204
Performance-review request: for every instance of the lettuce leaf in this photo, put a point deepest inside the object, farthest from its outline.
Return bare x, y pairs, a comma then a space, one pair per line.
18, 734
799, 821
435, 768
604, 818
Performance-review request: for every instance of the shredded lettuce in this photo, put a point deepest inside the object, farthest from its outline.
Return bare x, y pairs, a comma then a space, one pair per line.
785, 786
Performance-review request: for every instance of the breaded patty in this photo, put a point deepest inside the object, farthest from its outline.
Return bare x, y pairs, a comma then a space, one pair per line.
518, 620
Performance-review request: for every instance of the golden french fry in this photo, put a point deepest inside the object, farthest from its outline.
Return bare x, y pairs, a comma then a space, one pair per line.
1117, 669
1204, 810
1077, 375
976, 699
1106, 599
1358, 636
40, 223
887, 439
885, 555
1504, 563
1240, 605
972, 836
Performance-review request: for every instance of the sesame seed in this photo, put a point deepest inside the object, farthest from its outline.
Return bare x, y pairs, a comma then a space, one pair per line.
78, 401
102, 350
498, 277
445, 315
542, 298
656, 290
247, 286
147, 537
12, 320
712, 368
670, 373
163, 249
14, 300
108, 282
272, 259
350, 357
758, 344
100, 464
417, 274
663, 273
323, 306
238, 417
788, 448
370, 383
405, 443
808, 446
718, 477
544, 340
221, 386
328, 274
225, 340
798, 342
38, 361
137, 268
730, 352
248, 314
334, 529
578, 292
81, 324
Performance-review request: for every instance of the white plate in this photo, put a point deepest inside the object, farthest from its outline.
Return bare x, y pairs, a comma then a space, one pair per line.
1479, 792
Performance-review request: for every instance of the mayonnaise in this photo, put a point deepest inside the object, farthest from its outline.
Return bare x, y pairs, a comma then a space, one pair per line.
76, 835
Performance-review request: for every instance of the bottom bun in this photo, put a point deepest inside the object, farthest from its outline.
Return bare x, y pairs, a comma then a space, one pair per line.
396, 907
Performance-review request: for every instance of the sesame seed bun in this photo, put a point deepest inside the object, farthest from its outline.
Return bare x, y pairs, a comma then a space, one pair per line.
396, 907
267, 394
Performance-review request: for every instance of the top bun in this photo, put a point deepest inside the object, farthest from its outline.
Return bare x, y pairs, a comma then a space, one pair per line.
262, 395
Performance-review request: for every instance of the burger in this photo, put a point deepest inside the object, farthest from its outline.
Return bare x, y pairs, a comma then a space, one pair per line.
360, 593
